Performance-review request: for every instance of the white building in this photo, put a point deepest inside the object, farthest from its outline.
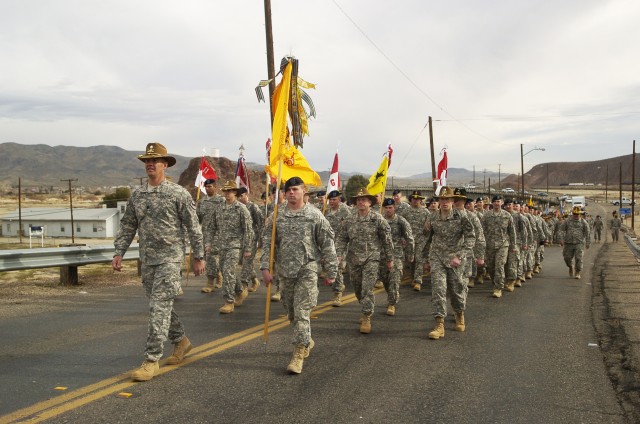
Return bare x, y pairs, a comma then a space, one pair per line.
56, 222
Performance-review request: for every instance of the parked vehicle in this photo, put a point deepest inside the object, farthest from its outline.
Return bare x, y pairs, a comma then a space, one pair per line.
625, 201
579, 201
543, 194
470, 186
508, 190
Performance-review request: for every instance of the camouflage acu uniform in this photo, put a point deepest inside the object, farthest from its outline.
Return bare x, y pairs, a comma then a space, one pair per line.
500, 235
525, 235
366, 241
576, 235
158, 214
447, 237
514, 270
205, 210
615, 224
598, 225
533, 243
230, 229
403, 245
303, 237
402, 208
257, 222
471, 268
336, 219
545, 235
417, 218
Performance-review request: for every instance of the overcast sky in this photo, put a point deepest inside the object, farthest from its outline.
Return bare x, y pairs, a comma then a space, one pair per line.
560, 75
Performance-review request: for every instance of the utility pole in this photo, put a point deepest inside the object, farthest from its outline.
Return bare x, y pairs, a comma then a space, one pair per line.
547, 178
484, 179
499, 187
20, 208
620, 187
606, 185
433, 159
73, 230
140, 179
633, 186
474, 175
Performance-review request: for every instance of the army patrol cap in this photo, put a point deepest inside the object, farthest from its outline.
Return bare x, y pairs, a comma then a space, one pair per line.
388, 202
293, 181
417, 195
459, 193
508, 201
446, 193
242, 190
230, 185
469, 200
210, 181
496, 197
321, 193
364, 193
334, 193
157, 151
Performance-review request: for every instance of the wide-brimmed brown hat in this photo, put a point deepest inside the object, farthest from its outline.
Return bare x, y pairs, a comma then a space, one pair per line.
365, 193
230, 185
416, 195
446, 192
157, 150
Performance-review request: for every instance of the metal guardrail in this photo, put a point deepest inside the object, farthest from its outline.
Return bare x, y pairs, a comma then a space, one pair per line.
635, 249
67, 258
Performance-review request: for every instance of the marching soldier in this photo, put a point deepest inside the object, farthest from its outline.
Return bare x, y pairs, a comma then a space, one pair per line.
158, 211
500, 235
365, 240
248, 274
303, 237
615, 224
230, 229
403, 246
417, 216
574, 237
205, 210
336, 214
598, 225
401, 206
450, 239
514, 255
476, 257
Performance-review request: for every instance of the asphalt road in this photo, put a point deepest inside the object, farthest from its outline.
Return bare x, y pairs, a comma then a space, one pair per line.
531, 356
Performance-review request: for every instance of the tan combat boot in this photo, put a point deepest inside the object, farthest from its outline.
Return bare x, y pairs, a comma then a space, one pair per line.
254, 285
219, 281
497, 293
365, 324
307, 350
295, 366
528, 276
459, 322
571, 272
519, 282
227, 308
472, 282
536, 269
438, 330
240, 297
210, 285
337, 299
146, 371
416, 286
276, 296
391, 310
180, 291
180, 350
378, 285
509, 285
578, 275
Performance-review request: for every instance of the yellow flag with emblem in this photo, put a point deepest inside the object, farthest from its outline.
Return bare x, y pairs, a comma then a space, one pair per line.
378, 180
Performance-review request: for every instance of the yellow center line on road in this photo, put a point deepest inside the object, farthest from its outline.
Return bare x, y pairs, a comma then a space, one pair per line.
52, 407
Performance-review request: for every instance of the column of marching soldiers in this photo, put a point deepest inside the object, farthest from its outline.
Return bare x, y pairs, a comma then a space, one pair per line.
454, 241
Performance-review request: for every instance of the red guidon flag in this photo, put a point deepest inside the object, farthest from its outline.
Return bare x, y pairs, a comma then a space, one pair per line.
441, 177
334, 178
206, 172
242, 174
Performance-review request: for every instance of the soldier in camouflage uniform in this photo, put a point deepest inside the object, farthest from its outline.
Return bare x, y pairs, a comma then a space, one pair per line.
336, 214
401, 206
450, 240
303, 238
230, 228
205, 210
476, 257
524, 235
248, 274
403, 246
574, 237
157, 211
500, 235
534, 240
598, 226
366, 240
545, 235
512, 268
417, 216
615, 224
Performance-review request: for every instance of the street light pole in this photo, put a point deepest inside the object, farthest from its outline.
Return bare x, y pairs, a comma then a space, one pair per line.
522, 155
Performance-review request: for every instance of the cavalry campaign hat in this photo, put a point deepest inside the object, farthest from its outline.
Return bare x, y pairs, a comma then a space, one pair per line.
364, 193
230, 185
157, 151
446, 193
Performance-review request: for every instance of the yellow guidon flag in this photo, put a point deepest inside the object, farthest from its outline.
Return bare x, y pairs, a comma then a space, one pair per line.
378, 181
293, 162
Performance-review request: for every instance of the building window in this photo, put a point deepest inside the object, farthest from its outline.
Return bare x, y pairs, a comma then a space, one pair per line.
62, 228
77, 228
95, 228
8, 229
122, 207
